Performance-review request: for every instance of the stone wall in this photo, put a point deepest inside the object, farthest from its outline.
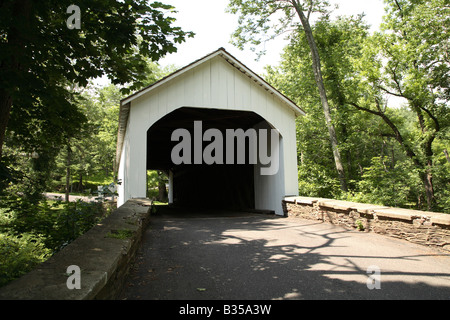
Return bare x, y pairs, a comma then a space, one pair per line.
422, 227
103, 255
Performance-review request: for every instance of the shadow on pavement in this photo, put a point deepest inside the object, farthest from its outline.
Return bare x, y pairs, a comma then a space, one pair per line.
244, 256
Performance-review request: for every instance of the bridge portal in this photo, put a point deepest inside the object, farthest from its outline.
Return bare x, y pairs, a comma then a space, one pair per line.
225, 137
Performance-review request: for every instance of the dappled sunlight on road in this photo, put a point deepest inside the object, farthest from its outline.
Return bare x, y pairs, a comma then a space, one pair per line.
265, 257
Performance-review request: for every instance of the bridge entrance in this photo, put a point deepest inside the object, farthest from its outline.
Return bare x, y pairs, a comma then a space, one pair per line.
217, 93
223, 185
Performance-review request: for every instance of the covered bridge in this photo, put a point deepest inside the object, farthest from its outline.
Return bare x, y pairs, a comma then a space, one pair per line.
216, 92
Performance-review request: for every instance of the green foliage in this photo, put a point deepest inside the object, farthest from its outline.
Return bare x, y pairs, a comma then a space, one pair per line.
30, 233
156, 185
55, 124
92, 150
315, 181
115, 39
384, 184
388, 152
58, 222
404, 60
73, 220
43, 62
121, 234
263, 20
359, 225
338, 42
441, 173
152, 184
19, 254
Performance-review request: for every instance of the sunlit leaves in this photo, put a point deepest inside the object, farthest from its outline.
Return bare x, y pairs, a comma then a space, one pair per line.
263, 20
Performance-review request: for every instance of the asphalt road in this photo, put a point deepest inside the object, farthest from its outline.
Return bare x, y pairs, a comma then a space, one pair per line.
229, 256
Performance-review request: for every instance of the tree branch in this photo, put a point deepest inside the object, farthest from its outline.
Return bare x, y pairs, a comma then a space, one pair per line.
446, 155
409, 152
435, 120
309, 10
365, 109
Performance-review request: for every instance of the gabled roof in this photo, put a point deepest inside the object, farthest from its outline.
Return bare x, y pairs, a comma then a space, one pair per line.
231, 60
125, 103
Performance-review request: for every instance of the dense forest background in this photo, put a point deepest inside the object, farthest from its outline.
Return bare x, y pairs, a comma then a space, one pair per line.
354, 143
389, 98
62, 128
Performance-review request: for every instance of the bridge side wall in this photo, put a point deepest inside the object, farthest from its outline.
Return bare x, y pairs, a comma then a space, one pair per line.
103, 255
421, 227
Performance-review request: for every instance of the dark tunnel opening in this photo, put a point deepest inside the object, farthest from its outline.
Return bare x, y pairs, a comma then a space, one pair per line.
225, 186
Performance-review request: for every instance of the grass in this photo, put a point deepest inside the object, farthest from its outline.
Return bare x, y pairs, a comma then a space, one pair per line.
120, 234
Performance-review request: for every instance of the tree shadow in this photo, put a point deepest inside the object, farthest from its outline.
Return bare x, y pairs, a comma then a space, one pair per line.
261, 257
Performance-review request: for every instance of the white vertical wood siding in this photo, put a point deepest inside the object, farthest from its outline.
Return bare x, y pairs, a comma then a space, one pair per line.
212, 84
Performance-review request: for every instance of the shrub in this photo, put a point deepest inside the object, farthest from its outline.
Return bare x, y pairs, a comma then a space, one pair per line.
19, 254
30, 233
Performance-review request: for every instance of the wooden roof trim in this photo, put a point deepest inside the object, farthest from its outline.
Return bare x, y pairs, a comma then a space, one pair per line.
125, 103
232, 61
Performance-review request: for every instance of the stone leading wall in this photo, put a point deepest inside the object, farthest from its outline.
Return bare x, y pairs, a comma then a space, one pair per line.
103, 255
422, 227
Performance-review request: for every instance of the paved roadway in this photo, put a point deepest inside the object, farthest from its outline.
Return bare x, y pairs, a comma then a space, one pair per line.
233, 256
72, 198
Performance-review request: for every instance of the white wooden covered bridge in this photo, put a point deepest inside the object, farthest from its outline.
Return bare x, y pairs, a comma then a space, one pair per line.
220, 93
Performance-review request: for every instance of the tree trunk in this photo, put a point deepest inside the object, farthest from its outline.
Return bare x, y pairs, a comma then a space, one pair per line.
323, 96
80, 183
424, 167
5, 110
162, 191
68, 162
10, 64
446, 155
429, 135
429, 189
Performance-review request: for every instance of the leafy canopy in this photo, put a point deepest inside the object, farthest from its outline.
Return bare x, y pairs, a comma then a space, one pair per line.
43, 62
114, 39
263, 20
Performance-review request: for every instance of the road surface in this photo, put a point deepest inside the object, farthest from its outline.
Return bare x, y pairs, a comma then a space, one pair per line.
261, 257
72, 198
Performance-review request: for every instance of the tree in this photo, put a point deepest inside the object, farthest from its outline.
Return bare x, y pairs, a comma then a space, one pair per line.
92, 148
339, 42
409, 59
255, 20
40, 55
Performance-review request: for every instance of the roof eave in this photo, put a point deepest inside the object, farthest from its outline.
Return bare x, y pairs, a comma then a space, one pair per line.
230, 59
126, 102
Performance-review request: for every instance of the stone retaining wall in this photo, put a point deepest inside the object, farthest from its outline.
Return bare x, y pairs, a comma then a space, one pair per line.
103, 255
422, 227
